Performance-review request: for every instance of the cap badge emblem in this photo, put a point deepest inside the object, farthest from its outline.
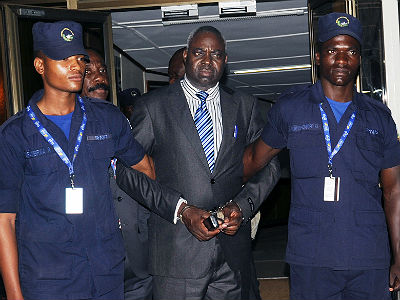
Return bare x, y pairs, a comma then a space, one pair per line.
67, 34
342, 22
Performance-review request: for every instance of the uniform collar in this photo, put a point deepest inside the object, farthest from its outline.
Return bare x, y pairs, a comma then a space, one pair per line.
319, 96
76, 117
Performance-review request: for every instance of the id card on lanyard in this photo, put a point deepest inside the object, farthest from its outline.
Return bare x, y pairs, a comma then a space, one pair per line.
73, 195
332, 184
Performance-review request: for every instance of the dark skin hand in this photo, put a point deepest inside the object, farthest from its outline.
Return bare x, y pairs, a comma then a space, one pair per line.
390, 179
233, 218
194, 217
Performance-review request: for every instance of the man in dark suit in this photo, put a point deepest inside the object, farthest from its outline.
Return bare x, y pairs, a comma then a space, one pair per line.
197, 145
132, 216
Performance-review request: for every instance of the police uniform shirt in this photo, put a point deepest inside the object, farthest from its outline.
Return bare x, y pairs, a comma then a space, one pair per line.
65, 255
350, 233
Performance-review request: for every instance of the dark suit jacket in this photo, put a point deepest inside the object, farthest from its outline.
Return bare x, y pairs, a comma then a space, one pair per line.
162, 123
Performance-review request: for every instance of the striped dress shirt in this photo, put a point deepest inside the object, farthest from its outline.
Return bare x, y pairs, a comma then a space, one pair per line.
213, 105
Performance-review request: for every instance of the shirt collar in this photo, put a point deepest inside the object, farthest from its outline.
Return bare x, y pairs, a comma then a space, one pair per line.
212, 92
319, 96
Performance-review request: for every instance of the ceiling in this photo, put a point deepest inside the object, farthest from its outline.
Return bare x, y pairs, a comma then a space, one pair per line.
277, 37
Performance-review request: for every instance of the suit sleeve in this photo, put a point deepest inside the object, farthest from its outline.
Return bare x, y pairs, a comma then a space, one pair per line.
159, 199
260, 185
142, 125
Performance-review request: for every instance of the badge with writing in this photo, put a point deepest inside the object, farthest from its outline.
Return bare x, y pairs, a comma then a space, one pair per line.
331, 188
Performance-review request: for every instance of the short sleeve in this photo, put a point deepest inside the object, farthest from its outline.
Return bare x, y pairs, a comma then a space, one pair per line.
128, 150
391, 152
11, 175
275, 131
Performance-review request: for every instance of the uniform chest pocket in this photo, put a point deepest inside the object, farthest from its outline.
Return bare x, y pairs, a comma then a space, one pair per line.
101, 145
41, 160
367, 142
308, 155
367, 157
369, 152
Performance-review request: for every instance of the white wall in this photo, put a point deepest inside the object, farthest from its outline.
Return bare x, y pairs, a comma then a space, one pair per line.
392, 59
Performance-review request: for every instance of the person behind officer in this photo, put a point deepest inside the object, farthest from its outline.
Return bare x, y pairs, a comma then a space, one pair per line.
96, 82
132, 216
55, 203
126, 100
342, 145
176, 66
187, 260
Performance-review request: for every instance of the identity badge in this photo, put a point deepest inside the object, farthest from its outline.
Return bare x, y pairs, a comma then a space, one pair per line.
73, 200
331, 188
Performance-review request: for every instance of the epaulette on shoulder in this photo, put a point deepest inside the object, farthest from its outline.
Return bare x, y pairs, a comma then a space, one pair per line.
294, 90
12, 119
376, 103
295, 93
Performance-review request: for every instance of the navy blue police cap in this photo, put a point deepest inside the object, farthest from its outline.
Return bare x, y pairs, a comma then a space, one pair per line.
128, 96
334, 24
58, 40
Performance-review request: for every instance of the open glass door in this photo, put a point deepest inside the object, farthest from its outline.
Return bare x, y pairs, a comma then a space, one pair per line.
20, 77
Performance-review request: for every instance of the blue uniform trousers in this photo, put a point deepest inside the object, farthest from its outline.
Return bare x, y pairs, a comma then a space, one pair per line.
314, 283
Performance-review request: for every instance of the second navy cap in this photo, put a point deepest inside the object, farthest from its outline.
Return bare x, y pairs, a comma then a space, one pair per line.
58, 40
128, 96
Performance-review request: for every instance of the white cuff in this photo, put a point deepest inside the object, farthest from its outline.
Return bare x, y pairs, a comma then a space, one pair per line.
180, 201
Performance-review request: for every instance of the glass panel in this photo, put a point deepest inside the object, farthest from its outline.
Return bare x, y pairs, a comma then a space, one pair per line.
372, 52
3, 106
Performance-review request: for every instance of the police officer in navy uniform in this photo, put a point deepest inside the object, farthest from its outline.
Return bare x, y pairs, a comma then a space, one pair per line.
342, 145
59, 235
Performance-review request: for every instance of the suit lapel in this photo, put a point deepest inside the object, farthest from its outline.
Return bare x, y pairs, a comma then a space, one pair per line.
229, 107
181, 114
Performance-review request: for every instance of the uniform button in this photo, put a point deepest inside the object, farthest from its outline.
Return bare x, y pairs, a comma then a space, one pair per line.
212, 181
119, 199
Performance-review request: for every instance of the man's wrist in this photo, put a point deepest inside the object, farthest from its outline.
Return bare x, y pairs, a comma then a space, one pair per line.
185, 208
179, 206
232, 202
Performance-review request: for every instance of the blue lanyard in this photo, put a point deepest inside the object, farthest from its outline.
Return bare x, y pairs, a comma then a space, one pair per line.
55, 145
328, 136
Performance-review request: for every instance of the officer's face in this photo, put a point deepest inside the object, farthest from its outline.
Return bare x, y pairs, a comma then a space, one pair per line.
205, 60
64, 75
95, 84
339, 60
